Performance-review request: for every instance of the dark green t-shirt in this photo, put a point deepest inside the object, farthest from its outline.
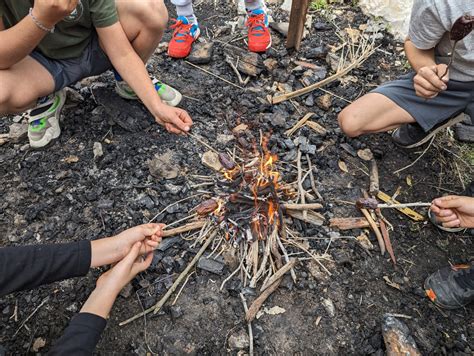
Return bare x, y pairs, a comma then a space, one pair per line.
73, 33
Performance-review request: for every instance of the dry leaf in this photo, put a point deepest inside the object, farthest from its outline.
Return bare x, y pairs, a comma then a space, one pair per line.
365, 154
240, 128
275, 310
38, 344
343, 166
364, 242
409, 181
71, 159
390, 283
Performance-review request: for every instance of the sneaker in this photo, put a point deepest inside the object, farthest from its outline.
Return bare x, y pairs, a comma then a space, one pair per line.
259, 38
451, 287
465, 130
169, 95
184, 35
43, 120
412, 135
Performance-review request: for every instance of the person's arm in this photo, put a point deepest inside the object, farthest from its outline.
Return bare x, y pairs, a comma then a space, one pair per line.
20, 40
454, 211
127, 62
83, 333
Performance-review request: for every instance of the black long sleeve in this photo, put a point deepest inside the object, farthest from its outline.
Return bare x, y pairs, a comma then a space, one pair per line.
26, 267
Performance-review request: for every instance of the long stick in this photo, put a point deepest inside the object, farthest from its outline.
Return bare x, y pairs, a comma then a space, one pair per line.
249, 325
397, 206
280, 273
314, 206
257, 303
163, 300
185, 228
375, 229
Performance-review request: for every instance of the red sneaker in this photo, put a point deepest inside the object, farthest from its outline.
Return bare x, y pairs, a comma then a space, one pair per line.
258, 33
183, 37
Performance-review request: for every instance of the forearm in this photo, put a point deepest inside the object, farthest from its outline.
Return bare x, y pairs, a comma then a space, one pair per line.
18, 41
101, 301
419, 58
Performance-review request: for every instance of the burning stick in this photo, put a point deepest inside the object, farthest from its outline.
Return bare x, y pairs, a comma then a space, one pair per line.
371, 203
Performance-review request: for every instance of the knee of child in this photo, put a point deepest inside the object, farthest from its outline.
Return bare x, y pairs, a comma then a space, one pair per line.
156, 14
347, 123
5, 106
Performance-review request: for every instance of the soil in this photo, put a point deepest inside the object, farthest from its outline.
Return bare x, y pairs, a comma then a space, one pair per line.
62, 193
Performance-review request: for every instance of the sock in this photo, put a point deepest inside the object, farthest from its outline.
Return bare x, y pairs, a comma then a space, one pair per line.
117, 76
187, 11
251, 5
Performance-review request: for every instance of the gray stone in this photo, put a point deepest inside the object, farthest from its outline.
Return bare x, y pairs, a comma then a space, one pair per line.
279, 120
289, 143
173, 189
309, 149
176, 312
97, 150
146, 202
300, 141
168, 242
18, 132
318, 52
201, 53
280, 27
211, 265
224, 139
168, 263
105, 204
162, 166
239, 340
329, 306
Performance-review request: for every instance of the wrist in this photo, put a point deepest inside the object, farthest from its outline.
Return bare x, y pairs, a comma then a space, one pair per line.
42, 22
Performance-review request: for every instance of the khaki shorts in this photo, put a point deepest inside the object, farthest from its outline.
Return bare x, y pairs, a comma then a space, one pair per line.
93, 61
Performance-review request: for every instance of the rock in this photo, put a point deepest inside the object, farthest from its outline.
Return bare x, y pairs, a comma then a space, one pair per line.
168, 263
105, 204
38, 344
333, 60
6, 310
176, 312
321, 26
3, 351
18, 131
324, 102
240, 128
280, 27
270, 64
146, 201
162, 166
309, 100
278, 119
319, 52
224, 139
201, 53
329, 306
239, 340
306, 148
211, 160
172, 188
168, 242
211, 265
97, 150
126, 291
397, 338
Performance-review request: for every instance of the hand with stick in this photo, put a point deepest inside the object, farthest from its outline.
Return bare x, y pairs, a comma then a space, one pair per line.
454, 211
429, 81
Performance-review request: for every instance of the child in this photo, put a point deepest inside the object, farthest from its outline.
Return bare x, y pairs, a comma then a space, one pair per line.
426, 101
27, 267
49, 45
186, 28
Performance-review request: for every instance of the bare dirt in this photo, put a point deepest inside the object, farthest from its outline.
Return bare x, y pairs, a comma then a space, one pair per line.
49, 196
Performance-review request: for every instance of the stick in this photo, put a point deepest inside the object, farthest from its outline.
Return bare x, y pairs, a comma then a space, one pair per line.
280, 98
279, 274
299, 124
31, 315
185, 228
349, 223
375, 229
173, 204
215, 75
163, 300
236, 71
314, 206
311, 177
249, 324
257, 303
398, 206
300, 185
407, 211
374, 178
202, 142
418, 158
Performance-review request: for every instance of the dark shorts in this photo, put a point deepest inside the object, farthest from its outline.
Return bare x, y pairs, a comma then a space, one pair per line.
458, 98
93, 61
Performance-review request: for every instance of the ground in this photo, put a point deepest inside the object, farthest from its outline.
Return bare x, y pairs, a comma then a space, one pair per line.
62, 193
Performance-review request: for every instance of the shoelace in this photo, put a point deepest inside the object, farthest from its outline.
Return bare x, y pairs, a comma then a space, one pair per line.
181, 29
256, 24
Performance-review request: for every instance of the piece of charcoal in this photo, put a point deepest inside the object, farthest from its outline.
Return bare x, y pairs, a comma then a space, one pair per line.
226, 161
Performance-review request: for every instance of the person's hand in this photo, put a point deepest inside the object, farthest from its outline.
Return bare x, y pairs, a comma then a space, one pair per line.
174, 120
50, 12
110, 283
125, 270
112, 249
427, 81
454, 211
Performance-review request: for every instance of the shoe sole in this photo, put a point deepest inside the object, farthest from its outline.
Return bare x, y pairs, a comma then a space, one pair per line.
448, 123
56, 129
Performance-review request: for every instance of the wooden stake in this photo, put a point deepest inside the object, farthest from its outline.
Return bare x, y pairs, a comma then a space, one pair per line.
257, 303
299, 9
279, 274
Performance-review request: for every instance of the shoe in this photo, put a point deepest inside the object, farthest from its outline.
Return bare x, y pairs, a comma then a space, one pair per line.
184, 35
451, 287
412, 135
465, 130
43, 120
259, 38
169, 95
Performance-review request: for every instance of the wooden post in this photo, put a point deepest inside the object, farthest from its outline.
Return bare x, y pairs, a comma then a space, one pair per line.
299, 9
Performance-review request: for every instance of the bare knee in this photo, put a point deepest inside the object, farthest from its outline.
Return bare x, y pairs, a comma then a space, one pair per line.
11, 102
154, 15
349, 123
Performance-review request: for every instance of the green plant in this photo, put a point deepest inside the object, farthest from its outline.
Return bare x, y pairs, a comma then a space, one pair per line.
319, 4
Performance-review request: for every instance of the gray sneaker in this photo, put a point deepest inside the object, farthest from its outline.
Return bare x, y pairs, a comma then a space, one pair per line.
465, 130
43, 120
168, 94
451, 287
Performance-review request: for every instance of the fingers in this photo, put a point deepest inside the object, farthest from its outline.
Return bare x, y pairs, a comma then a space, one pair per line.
132, 255
142, 265
430, 74
450, 201
453, 223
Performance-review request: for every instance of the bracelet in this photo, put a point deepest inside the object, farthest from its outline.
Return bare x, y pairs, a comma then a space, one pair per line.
39, 24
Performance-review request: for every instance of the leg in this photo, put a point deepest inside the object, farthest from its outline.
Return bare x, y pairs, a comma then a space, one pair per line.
23, 84
372, 113
144, 23
185, 8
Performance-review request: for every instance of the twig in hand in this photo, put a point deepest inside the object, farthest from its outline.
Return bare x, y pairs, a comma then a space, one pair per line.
185, 228
163, 300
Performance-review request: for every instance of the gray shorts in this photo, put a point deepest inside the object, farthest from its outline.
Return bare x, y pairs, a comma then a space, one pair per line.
93, 61
458, 98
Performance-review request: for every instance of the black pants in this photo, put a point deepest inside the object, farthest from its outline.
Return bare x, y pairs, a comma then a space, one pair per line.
27, 267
